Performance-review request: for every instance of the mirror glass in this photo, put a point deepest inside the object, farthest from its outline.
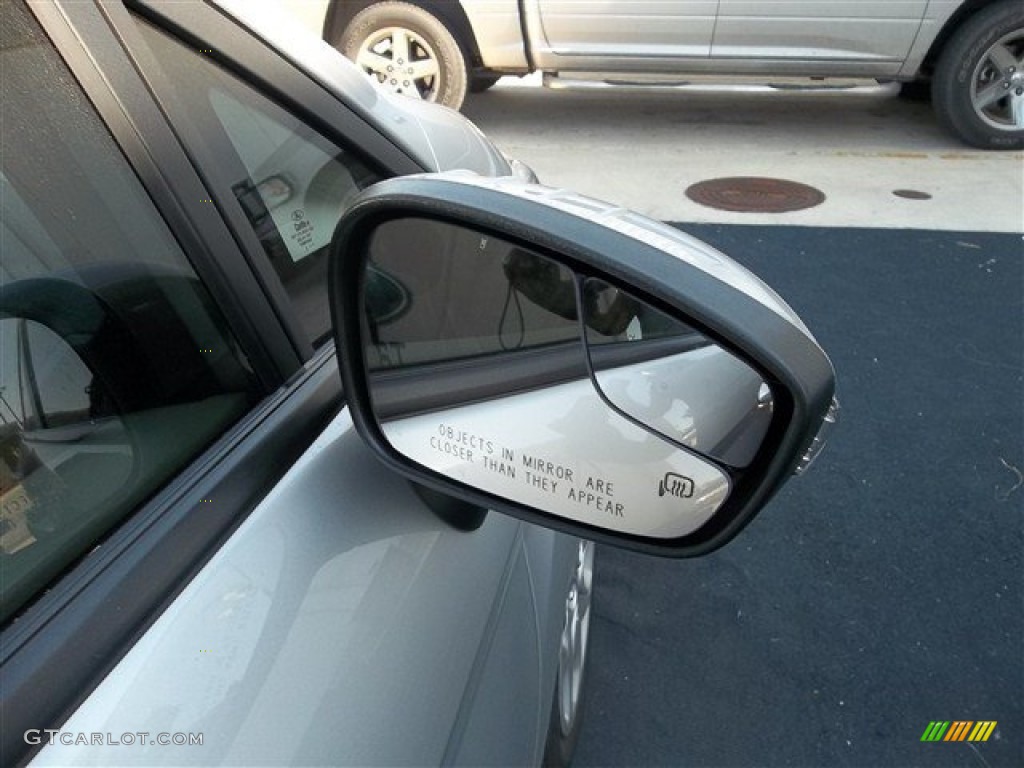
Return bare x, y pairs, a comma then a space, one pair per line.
482, 368
672, 378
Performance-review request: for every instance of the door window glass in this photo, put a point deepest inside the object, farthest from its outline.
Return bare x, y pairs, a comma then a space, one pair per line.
292, 183
116, 367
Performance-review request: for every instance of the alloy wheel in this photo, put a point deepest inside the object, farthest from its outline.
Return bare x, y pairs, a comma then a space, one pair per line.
402, 61
997, 87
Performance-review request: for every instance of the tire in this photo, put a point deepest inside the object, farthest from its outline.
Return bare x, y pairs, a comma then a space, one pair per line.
978, 87
566, 719
408, 51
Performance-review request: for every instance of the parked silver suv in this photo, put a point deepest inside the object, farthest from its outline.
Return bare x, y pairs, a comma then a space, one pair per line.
971, 52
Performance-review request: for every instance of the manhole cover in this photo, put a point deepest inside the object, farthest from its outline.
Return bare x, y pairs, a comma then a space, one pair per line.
912, 194
746, 194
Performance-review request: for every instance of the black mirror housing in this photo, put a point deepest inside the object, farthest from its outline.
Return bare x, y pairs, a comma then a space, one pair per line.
537, 327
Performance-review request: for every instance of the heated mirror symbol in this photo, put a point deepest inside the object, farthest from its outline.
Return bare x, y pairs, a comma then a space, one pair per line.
676, 485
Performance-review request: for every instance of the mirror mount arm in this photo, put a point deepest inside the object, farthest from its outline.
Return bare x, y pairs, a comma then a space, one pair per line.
459, 514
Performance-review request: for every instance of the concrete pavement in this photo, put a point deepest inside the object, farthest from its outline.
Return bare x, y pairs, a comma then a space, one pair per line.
642, 147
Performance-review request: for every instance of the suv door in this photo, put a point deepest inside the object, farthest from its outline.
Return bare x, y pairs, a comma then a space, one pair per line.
856, 37
575, 32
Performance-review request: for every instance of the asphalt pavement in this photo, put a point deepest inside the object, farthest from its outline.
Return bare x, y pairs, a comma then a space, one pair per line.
883, 589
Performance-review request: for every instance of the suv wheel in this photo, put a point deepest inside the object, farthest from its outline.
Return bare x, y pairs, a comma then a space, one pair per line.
409, 51
978, 88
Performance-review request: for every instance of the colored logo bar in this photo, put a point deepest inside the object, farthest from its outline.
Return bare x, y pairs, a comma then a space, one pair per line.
959, 730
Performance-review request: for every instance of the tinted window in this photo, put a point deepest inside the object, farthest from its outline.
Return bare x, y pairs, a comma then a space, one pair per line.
292, 183
116, 368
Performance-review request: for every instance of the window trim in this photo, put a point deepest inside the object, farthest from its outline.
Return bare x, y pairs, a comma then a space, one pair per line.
123, 104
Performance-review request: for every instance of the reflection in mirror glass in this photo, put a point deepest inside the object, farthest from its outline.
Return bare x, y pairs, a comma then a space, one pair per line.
453, 316
673, 379
478, 371
436, 292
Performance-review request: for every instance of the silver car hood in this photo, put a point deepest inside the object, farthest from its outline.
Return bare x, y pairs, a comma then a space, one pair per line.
437, 138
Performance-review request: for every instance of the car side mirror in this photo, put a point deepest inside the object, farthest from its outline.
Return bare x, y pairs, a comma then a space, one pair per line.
570, 363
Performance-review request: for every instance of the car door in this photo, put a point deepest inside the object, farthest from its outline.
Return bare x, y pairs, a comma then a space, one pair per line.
202, 562
857, 37
612, 34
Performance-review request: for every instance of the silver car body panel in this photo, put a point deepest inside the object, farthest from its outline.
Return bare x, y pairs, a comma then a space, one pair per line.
936, 18
607, 31
436, 137
499, 34
735, 37
869, 31
343, 623
310, 13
